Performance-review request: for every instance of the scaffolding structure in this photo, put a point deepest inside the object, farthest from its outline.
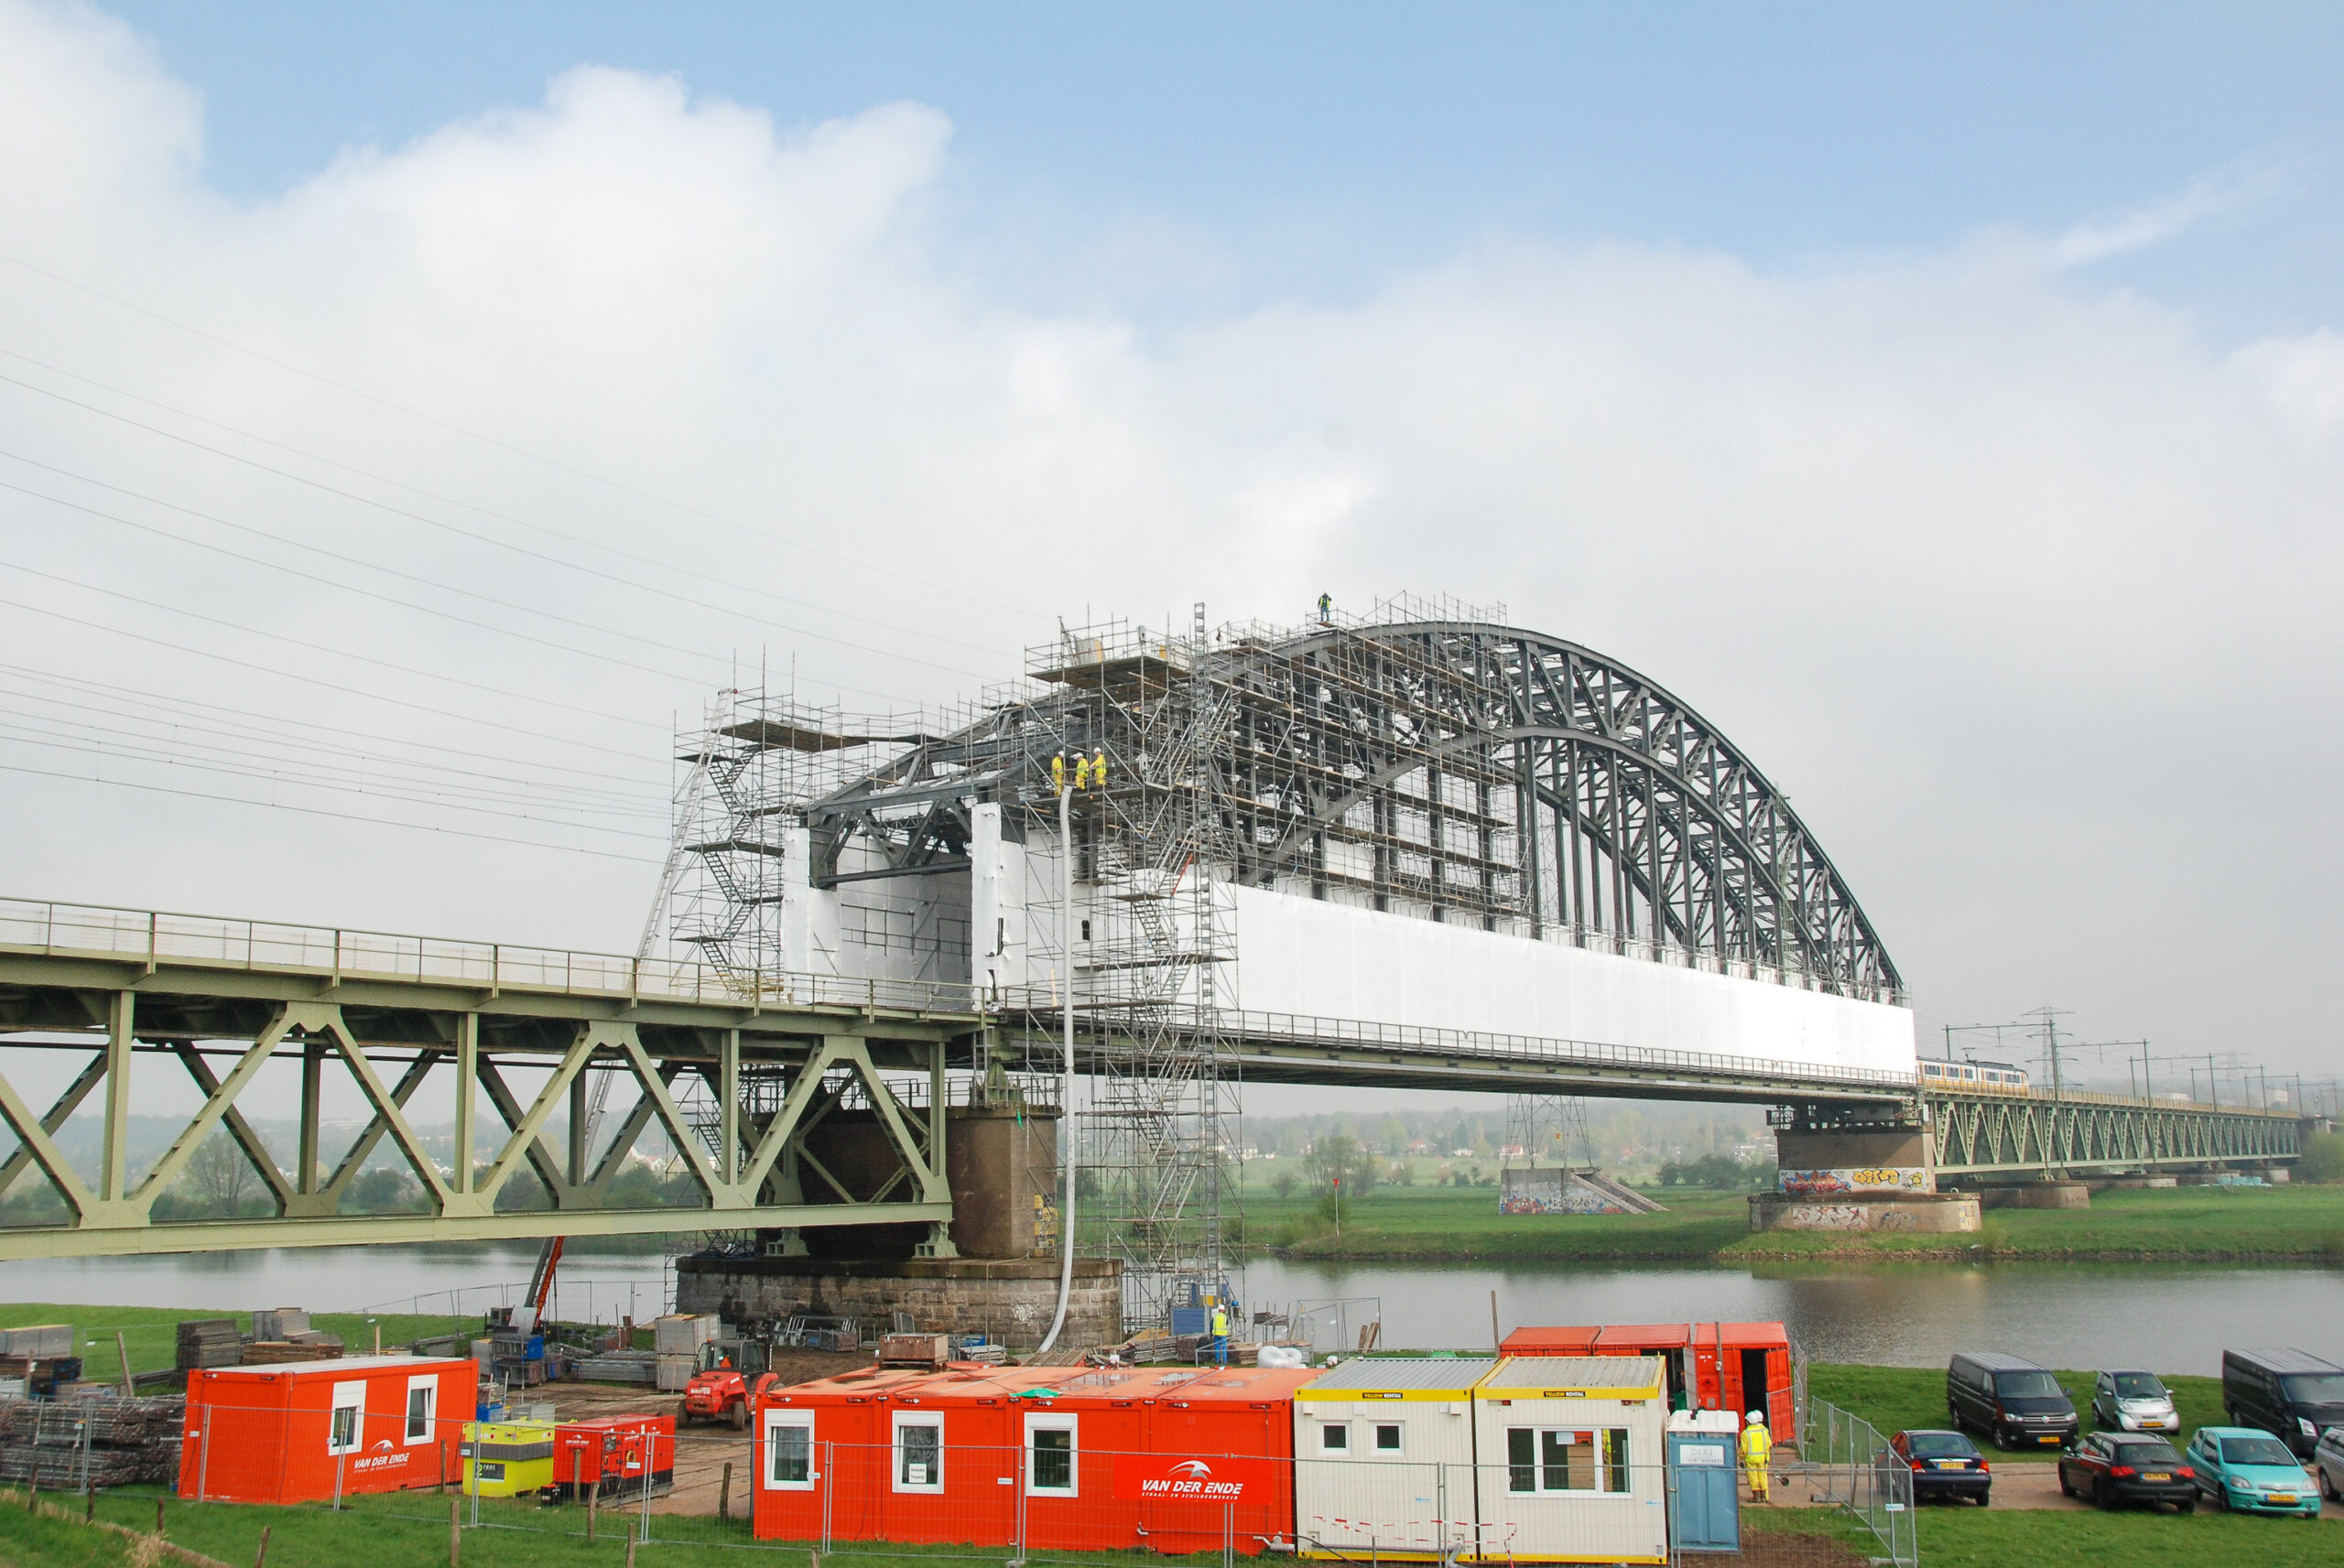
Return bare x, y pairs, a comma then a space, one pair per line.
1423, 760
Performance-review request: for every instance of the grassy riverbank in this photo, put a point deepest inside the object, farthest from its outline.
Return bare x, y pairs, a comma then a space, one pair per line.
151, 1334
2291, 1224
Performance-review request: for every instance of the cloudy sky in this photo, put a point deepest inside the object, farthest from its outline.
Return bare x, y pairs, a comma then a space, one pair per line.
409, 412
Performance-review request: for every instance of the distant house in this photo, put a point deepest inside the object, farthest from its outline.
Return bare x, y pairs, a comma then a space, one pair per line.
1462, 1153
1510, 1152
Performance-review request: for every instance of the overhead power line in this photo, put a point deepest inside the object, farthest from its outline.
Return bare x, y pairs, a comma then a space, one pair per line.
293, 774
473, 534
292, 729
338, 816
309, 680
955, 591
580, 540
379, 597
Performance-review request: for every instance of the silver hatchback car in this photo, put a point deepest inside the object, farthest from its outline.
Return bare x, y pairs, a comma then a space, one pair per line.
2327, 1458
2132, 1401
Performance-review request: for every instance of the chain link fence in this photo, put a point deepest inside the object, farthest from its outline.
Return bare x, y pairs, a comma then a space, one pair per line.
1847, 1463
1048, 1498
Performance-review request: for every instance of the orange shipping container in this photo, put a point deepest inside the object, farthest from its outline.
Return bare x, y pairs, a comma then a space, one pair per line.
310, 1431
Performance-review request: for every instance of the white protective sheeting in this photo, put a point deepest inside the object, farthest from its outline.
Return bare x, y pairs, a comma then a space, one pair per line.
1331, 961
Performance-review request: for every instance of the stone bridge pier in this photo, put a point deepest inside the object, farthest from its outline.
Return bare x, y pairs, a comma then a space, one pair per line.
1837, 1174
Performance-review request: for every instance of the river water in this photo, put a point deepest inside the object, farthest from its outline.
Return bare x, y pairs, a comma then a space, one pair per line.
2167, 1317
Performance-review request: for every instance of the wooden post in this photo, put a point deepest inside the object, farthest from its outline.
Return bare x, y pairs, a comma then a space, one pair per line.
128, 1383
378, 1339
89, 1500
630, 1548
724, 1493
158, 1517
455, 1529
260, 1558
1497, 1340
593, 1504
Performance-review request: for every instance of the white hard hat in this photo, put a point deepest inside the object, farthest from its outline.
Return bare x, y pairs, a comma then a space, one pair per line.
1757, 1418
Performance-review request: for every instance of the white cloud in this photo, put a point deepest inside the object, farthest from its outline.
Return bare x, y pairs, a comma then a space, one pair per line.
2006, 579
2142, 228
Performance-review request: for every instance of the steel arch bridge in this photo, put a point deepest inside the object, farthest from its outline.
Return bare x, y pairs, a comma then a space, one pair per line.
1633, 815
1462, 769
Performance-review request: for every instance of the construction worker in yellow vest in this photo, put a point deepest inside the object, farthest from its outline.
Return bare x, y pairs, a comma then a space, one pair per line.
1757, 1448
1220, 1333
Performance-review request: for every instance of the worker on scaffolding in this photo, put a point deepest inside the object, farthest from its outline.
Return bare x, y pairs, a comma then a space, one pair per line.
1326, 610
1220, 1333
1757, 1449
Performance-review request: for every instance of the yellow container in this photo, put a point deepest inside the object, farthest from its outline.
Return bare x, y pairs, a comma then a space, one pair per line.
507, 1458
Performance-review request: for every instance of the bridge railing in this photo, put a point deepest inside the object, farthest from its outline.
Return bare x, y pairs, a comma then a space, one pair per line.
1301, 1029
342, 954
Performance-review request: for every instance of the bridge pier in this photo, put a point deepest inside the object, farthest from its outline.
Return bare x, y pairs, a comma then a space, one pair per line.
1834, 1174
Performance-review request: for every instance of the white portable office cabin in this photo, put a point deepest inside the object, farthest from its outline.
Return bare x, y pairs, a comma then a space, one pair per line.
1571, 1460
1384, 1458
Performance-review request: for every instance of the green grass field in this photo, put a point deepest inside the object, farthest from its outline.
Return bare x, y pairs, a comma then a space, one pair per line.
152, 1333
411, 1532
1895, 1397
1432, 1224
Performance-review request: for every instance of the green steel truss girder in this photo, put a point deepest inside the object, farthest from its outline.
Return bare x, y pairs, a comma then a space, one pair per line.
1979, 1132
389, 1039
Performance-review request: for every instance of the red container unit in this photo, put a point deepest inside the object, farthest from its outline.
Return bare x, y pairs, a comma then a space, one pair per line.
1239, 1424
795, 1426
1095, 1459
1737, 1367
310, 1431
611, 1454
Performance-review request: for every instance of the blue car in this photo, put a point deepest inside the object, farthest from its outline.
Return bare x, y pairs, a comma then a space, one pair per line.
2251, 1472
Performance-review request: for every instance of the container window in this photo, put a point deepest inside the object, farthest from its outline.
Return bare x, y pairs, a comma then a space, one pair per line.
1049, 1457
1521, 1460
1566, 1459
422, 1394
1387, 1437
344, 1429
920, 1453
1334, 1437
789, 1451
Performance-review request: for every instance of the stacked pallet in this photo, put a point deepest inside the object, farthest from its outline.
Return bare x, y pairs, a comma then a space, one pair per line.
209, 1342
620, 1366
278, 1352
284, 1322
42, 1342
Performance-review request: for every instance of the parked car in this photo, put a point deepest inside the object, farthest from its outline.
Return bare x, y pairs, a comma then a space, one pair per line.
2010, 1399
2113, 1468
1942, 1464
2249, 1471
2132, 1401
2291, 1394
2328, 1459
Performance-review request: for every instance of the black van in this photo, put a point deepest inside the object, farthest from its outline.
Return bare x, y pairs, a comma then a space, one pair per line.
2291, 1394
2010, 1399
